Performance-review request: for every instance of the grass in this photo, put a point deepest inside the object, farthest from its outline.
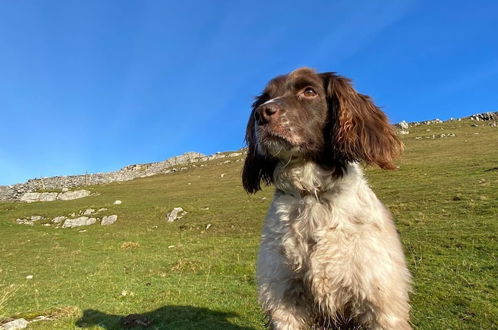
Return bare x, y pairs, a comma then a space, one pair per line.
183, 276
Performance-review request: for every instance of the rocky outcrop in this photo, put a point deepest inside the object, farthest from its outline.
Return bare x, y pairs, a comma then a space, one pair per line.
427, 122
31, 197
485, 116
29, 220
84, 218
403, 125
171, 165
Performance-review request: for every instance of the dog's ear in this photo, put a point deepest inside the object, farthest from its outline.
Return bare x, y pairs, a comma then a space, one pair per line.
360, 131
257, 167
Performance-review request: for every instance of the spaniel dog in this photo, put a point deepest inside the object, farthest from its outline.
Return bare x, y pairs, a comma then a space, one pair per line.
330, 255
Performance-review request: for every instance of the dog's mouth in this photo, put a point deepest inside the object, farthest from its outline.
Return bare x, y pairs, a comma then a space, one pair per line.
277, 142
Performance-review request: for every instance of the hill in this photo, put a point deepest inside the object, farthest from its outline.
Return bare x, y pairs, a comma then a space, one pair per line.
198, 272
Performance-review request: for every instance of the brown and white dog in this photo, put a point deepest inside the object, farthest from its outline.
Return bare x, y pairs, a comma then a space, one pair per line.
330, 255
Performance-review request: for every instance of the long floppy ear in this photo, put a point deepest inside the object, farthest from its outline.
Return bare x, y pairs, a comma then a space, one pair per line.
257, 167
360, 130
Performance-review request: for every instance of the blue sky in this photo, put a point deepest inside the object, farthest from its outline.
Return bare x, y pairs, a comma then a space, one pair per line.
91, 86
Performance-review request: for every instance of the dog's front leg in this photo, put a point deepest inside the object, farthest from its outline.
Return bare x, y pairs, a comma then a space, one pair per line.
282, 296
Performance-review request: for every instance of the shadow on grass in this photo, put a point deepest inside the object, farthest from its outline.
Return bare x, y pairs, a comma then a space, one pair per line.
167, 317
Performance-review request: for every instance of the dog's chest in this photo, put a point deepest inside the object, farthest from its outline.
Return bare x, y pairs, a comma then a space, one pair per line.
302, 223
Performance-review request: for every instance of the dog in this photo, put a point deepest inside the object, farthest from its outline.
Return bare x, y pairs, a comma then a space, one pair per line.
330, 255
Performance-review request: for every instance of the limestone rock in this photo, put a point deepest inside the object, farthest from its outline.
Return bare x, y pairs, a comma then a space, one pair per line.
404, 125
117, 202
29, 220
109, 220
23, 221
70, 195
175, 214
484, 116
31, 197
59, 219
14, 325
78, 222
88, 211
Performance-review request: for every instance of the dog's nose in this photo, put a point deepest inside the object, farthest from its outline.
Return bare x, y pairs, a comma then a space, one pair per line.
266, 112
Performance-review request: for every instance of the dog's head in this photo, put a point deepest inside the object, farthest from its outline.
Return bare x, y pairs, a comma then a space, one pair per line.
319, 117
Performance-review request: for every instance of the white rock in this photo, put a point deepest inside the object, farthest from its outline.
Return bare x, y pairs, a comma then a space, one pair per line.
102, 209
404, 132
176, 213
70, 195
59, 219
48, 197
403, 124
30, 197
88, 211
36, 217
78, 222
14, 325
52, 196
109, 220
23, 221
117, 202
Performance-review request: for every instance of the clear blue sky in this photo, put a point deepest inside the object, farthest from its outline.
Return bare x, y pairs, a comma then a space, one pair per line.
91, 86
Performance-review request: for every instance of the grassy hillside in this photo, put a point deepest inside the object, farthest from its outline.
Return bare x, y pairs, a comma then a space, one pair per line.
184, 275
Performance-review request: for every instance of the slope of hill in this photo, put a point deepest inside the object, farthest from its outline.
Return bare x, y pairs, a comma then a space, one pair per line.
198, 272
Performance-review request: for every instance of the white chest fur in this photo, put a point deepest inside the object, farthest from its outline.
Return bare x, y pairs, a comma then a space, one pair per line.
311, 207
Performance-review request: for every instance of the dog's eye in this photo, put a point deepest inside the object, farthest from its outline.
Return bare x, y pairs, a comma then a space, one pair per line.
309, 92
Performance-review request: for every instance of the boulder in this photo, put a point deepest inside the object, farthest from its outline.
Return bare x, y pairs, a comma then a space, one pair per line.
404, 125
78, 222
109, 220
175, 214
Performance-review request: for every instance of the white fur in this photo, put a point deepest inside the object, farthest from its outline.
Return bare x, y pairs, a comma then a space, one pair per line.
330, 249
272, 100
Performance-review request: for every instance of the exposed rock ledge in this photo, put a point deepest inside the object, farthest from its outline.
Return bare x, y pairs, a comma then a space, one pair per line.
29, 191
31, 197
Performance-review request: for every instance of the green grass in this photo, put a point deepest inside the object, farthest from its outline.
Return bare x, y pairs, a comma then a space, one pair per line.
182, 276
